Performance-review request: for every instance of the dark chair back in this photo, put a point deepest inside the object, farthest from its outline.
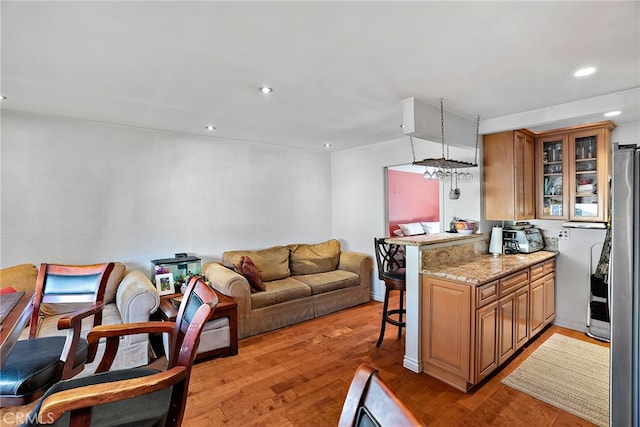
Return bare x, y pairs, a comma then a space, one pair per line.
388, 257
371, 402
70, 284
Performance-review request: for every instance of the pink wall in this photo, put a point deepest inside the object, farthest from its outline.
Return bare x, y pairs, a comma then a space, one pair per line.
411, 198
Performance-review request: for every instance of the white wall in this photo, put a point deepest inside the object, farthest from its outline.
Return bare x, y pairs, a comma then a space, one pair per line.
359, 191
79, 192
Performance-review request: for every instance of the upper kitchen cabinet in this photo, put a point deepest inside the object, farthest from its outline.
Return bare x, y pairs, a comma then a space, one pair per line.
508, 175
573, 168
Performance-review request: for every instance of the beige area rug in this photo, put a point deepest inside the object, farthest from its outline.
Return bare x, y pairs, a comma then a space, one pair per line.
569, 374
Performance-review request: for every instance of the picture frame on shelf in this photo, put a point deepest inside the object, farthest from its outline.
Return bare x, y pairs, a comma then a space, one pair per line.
164, 284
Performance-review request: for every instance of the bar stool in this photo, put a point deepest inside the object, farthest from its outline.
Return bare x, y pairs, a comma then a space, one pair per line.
391, 270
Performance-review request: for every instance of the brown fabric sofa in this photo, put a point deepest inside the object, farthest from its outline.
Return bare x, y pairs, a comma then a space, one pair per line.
302, 281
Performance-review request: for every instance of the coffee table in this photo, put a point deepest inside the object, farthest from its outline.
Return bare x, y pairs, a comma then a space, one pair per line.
13, 324
226, 307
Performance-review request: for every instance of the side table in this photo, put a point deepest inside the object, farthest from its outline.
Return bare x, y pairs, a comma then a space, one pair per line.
226, 307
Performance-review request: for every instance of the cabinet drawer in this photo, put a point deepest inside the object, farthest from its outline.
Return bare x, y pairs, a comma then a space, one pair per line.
486, 294
549, 266
543, 268
513, 282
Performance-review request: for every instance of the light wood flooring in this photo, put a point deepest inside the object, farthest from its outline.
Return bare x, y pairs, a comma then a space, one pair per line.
299, 376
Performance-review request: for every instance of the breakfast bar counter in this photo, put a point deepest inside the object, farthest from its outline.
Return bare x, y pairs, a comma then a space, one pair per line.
450, 256
416, 249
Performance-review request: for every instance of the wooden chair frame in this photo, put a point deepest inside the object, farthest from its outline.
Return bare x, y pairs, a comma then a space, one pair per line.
72, 322
369, 391
185, 338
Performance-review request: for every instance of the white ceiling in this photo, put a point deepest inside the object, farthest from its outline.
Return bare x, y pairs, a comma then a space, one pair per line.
339, 69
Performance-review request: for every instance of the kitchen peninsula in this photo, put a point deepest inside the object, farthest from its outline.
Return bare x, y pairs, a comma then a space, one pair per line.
415, 248
456, 292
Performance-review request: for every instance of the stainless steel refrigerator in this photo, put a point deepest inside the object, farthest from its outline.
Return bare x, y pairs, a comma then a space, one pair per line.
625, 286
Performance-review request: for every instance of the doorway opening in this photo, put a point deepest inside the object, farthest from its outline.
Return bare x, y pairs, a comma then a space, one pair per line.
411, 199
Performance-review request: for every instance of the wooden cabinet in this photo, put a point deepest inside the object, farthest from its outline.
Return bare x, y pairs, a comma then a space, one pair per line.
446, 330
487, 336
572, 168
509, 175
521, 323
469, 331
542, 308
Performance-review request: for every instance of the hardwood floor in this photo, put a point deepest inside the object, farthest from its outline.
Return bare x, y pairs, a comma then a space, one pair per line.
299, 376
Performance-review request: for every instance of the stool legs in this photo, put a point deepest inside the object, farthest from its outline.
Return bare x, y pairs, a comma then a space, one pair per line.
386, 315
385, 308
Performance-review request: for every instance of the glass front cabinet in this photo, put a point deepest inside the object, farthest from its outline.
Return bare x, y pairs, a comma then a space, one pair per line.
573, 169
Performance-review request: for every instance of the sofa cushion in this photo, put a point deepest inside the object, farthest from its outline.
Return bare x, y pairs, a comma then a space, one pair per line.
273, 262
20, 277
48, 326
248, 269
329, 281
310, 259
279, 291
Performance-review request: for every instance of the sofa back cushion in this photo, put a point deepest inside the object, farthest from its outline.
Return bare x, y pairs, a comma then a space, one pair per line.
310, 259
273, 262
19, 277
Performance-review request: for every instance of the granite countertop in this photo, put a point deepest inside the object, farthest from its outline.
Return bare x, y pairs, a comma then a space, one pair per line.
430, 239
485, 268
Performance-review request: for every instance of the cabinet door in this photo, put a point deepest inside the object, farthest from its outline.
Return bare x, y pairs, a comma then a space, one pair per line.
588, 179
486, 340
549, 298
509, 176
521, 325
536, 306
446, 331
553, 186
506, 328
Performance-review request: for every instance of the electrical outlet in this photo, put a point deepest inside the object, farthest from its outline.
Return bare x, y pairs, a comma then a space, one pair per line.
564, 234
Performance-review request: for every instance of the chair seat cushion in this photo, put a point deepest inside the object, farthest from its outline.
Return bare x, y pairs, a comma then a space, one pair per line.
398, 274
32, 365
146, 410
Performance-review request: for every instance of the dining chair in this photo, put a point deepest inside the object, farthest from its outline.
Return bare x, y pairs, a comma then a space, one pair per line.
34, 364
371, 402
137, 396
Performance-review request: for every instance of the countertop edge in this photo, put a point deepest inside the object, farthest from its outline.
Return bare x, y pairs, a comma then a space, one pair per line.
515, 262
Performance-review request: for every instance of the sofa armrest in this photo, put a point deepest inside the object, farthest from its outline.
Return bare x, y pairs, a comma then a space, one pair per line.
359, 263
234, 285
136, 298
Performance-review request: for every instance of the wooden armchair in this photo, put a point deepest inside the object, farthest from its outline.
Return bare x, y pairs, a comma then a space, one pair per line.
34, 364
138, 396
371, 402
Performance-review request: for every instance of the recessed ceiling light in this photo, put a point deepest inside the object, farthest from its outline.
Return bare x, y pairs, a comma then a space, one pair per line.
266, 89
585, 71
612, 113
210, 127
327, 145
